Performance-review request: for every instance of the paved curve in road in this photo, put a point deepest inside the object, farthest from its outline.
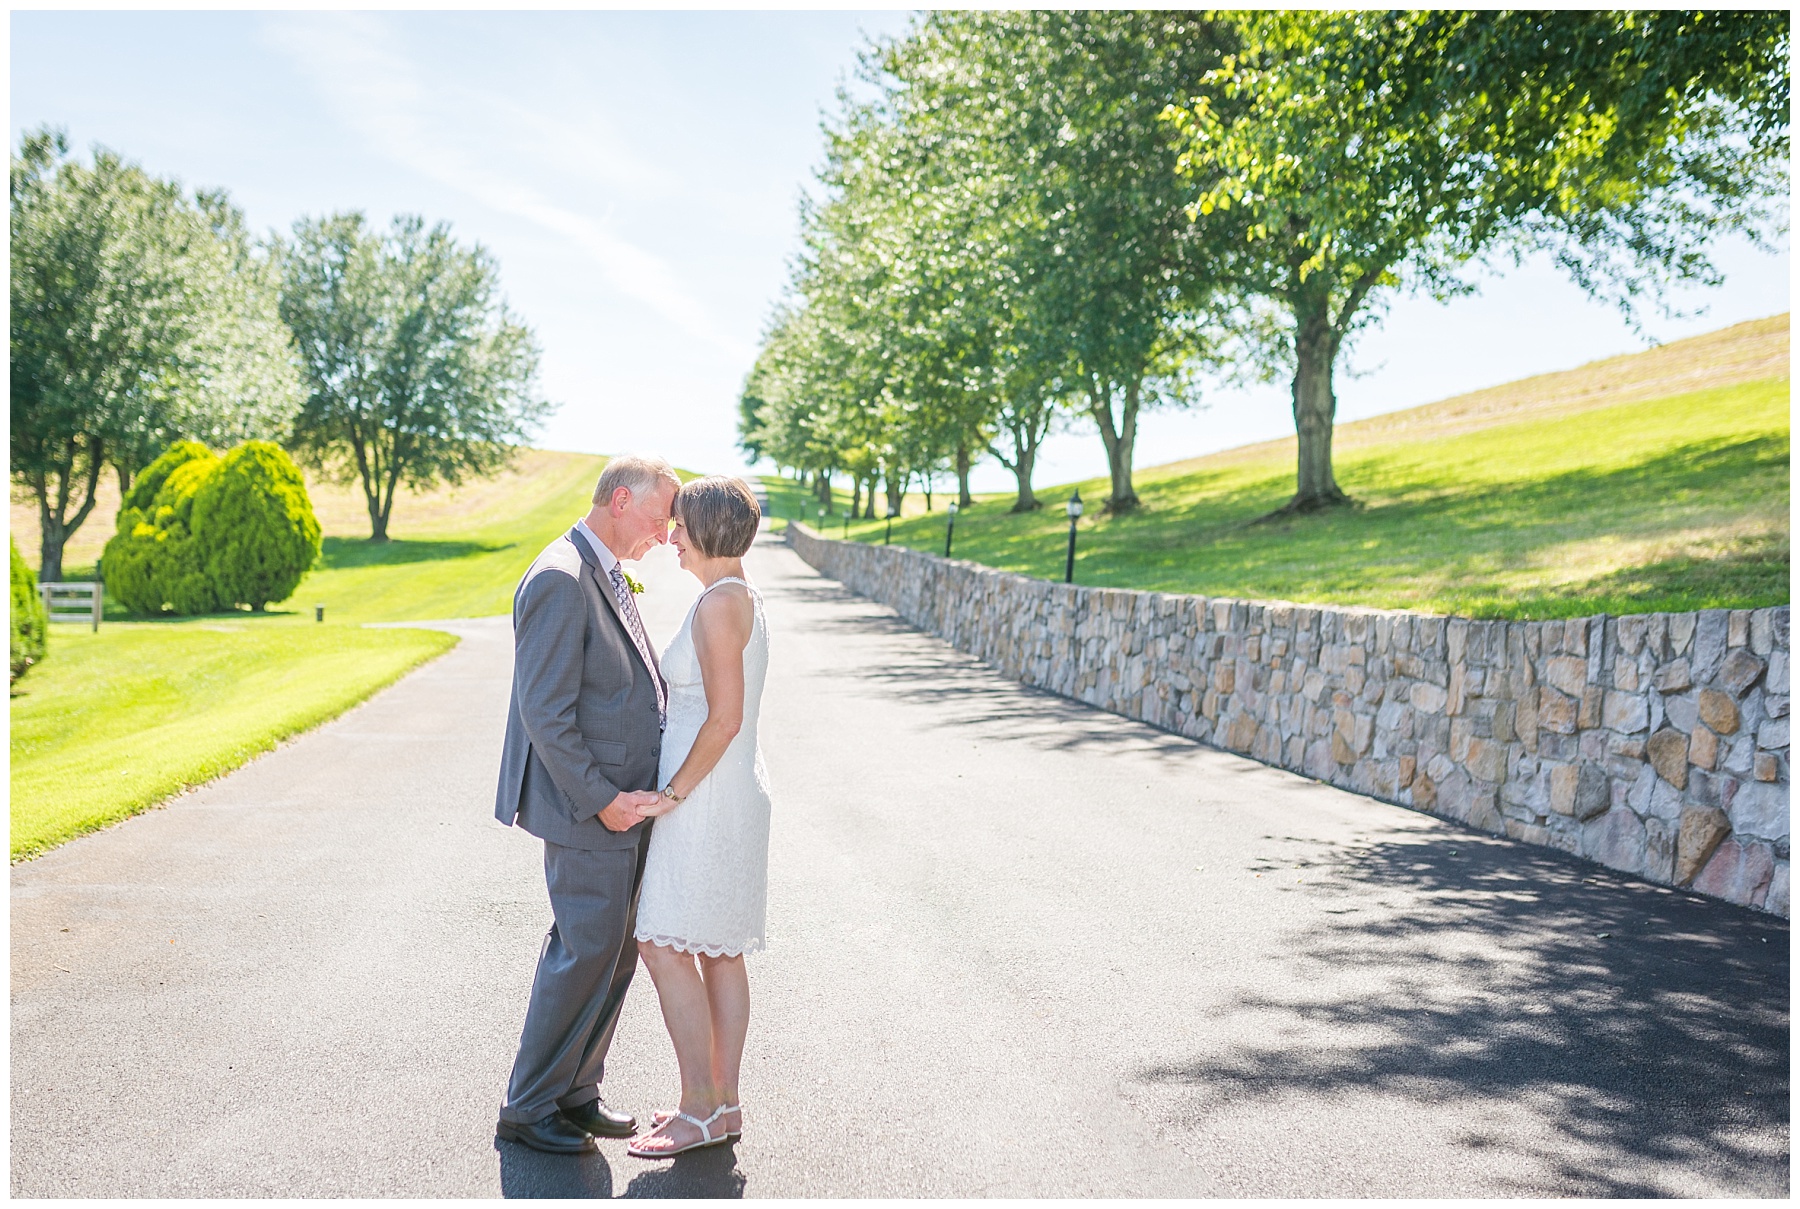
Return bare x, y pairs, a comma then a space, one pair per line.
1017, 947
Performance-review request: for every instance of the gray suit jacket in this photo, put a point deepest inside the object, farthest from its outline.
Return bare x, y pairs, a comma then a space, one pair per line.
582, 725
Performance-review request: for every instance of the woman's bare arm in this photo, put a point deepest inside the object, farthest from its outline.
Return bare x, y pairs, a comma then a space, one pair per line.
722, 626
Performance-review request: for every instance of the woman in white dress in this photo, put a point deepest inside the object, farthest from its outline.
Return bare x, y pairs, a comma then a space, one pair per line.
706, 876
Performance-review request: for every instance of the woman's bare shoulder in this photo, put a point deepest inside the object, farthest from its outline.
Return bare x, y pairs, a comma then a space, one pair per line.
726, 609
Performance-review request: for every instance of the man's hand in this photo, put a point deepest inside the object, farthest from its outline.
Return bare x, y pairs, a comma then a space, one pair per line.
628, 809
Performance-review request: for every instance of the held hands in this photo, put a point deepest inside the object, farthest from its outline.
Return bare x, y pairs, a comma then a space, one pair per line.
630, 808
666, 801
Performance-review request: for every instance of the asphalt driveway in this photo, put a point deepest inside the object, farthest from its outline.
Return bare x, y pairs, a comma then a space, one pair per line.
1018, 947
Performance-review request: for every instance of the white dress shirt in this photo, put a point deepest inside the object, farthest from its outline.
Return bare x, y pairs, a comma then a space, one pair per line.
608, 560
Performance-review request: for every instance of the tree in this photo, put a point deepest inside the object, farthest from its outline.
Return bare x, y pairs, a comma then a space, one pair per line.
1066, 106
1000, 229
139, 314
1357, 153
415, 370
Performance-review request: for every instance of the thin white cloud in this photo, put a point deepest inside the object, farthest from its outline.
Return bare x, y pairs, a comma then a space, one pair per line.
381, 95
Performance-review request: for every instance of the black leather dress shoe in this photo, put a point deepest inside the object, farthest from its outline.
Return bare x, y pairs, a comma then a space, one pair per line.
596, 1118
553, 1135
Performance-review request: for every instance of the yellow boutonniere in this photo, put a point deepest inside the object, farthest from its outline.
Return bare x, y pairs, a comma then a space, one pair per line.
636, 587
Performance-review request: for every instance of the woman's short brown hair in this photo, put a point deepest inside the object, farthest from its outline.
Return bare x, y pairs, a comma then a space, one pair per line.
720, 515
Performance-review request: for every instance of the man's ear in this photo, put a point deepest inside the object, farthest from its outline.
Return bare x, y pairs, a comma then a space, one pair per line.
621, 500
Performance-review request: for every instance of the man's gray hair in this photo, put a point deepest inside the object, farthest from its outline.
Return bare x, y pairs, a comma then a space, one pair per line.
637, 473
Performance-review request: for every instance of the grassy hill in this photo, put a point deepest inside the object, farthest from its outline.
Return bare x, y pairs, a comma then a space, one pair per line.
454, 553
1655, 481
114, 722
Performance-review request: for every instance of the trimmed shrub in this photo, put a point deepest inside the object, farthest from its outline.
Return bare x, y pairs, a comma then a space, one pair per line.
201, 533
30, 622
254, 525
149, 483
153, 561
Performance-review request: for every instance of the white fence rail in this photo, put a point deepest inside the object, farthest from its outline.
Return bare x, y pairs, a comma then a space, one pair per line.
73, 602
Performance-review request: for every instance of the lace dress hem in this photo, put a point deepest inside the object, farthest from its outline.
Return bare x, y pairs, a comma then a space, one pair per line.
681, 945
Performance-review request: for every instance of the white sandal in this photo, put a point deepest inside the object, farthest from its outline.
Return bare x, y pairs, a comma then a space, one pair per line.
706, 1136
663, 1114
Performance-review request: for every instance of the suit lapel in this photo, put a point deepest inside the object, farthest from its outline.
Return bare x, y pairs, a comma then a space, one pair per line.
606, 593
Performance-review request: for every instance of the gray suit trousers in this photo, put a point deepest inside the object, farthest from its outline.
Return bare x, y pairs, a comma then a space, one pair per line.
582, 975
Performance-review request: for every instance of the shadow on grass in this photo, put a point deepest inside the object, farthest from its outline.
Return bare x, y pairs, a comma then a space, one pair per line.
1755, 568
1420, 526
336, 554
342, 553
116, 612
1650, 1025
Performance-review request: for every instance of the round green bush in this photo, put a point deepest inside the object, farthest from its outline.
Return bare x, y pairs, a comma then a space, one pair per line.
254, 526
149, 482
30, 622
153, 561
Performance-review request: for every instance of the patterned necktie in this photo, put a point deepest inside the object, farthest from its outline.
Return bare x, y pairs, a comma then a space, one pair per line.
635, 625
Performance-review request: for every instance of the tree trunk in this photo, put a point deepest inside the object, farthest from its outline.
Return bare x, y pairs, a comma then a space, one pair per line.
895, 482
51, 539
869, 498
1025, 447
855, 495
370, 474
1315, 408
1119, 438
963, 498
392, 488
925, 486
55, 525
1027, 428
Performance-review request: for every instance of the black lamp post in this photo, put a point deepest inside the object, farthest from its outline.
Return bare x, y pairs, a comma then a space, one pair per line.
846, 525
892, 513
1074, 510
950, 530
821, 520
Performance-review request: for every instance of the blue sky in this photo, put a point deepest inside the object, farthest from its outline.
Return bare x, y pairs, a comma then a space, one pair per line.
636, 175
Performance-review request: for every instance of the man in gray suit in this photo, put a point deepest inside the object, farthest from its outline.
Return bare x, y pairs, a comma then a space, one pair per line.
583, 738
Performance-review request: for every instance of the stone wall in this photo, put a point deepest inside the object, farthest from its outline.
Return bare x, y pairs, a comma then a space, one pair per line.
1654, 744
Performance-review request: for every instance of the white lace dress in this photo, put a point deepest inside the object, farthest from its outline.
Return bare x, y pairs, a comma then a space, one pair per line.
707, 874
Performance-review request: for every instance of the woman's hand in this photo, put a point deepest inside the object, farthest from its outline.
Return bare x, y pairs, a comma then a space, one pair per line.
664, 803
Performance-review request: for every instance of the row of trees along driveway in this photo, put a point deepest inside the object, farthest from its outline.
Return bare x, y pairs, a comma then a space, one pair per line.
144, 314
1035, 218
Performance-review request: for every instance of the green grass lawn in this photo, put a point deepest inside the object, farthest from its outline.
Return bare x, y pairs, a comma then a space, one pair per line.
454, 566
788, 500
1670, 503
113, 723
117, 721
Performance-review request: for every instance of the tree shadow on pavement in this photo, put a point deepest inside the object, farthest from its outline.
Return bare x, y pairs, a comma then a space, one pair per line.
959, 690
1647, 1027
871, 616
